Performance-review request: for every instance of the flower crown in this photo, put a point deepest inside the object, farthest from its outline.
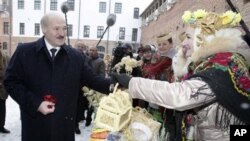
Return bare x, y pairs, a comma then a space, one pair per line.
209, 22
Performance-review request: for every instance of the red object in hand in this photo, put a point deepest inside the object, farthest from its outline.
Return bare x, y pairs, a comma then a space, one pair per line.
50, 98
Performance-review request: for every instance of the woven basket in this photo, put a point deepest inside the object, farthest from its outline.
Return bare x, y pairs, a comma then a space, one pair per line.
114, 112
140, 115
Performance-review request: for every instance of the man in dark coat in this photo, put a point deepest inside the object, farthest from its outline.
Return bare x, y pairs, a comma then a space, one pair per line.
98, 67
82, 102
46, 83
4, 59
97, 64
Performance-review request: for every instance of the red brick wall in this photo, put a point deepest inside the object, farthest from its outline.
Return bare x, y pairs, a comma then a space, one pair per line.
171, 20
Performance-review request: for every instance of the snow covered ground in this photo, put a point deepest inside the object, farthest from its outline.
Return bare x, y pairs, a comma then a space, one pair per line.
13, 123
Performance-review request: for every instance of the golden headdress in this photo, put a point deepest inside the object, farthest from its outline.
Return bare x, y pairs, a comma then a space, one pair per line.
163, 37
182, 36
209, 22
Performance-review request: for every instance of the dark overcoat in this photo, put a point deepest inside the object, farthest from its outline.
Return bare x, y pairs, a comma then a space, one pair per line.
32, 74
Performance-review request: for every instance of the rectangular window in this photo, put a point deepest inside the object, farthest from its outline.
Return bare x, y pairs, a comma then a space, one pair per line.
37, 29
99, 31
156, 6
86, 31
102, 7
118, 7
21, 28
134, 34
5, 45
136, 13
5, 2
70, 29
20, 4
53, 5
37, 5
71, 4
245, 1
122, 33
5, 28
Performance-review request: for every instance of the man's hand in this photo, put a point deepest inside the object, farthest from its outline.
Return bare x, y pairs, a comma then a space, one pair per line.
123, 79
46, 107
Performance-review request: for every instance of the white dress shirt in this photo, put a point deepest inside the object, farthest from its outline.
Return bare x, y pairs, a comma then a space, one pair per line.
49, 47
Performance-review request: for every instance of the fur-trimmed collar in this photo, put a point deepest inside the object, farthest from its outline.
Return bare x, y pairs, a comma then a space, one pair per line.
224, 40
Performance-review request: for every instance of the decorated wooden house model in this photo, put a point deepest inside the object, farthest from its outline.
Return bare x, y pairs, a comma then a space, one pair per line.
114, 112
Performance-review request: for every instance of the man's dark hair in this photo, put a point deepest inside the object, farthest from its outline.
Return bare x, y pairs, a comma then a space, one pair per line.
119, 52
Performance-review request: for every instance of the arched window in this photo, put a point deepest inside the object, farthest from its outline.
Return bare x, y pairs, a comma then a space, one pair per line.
101, 49
246, 1
101, 55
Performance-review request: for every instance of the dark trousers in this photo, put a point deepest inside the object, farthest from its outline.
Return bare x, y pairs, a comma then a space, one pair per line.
2, 112
82, 106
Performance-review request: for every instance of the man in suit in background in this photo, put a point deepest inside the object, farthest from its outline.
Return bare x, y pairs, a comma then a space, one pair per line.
4, 59
97, 64
82, 102
98, 67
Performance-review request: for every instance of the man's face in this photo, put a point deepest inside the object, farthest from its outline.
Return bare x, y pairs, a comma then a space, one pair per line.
55, 32
92, 52
80, 46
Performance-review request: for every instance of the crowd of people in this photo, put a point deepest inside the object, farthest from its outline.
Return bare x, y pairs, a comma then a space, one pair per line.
210, 86
196, 90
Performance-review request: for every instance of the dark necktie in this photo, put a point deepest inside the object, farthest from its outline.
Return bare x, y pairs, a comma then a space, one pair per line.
53, 51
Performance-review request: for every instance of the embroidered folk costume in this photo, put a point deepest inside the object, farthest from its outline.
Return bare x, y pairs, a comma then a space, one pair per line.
214, 78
